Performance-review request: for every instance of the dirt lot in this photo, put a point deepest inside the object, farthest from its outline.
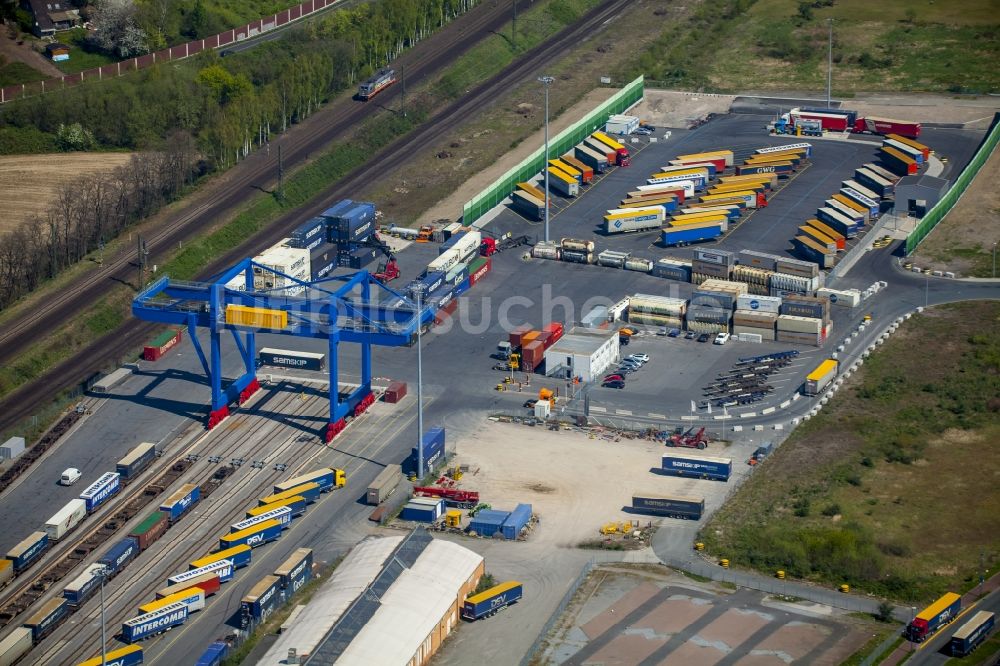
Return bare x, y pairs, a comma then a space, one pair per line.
640, 615
32, 182
963, 241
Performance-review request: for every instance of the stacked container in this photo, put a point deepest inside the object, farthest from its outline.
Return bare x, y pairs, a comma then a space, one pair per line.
292, 264
673, 269
657, 310
800, 330
712, 264
488, 522
756, 315
758, 280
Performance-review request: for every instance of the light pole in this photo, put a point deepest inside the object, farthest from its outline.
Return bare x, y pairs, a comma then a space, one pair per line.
420, 392
546, 81
829, 63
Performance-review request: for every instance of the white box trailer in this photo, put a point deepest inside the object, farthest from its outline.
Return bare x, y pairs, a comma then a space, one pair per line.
621, 220
621, 124
563, 183
66, 519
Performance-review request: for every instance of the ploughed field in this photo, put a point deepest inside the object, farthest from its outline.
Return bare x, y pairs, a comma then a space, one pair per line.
31, 183
893, 487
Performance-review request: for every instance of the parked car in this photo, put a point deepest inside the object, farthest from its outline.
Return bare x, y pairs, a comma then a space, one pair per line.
663, 331
721, 339
674, 332
617, 384
703, 337
625, 370
635, 365
642, 358
689, 335
614, 378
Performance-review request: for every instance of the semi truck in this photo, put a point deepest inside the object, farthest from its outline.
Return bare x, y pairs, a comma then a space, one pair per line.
820, 378
690, 233
621, 220
932, 618
668, 506
491, 601
622, 157
968, 637
838, 120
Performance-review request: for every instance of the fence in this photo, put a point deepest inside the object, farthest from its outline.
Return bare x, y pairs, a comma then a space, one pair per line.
503, 186
941, 208
557, 613
179, 52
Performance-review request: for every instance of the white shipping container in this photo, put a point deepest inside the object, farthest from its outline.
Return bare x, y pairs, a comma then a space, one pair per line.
12, 448
661, 305
468, 243
794, 324
445, 261
66, 519
846, 298
655, 319
766, 334
686, 185
756, 303
621, 124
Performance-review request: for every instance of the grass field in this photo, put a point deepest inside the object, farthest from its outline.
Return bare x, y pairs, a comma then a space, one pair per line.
963, 240
742, 45
13, 73
32, 182
893, 488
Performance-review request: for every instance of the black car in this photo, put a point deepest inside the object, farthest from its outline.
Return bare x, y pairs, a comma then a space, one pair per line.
704, 337
616, 384
674, 332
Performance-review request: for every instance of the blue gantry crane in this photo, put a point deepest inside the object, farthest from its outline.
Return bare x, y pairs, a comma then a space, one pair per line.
343, 308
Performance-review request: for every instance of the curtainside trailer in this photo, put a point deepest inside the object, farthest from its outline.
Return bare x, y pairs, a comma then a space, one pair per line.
598, 159
849, 212
327, 478
144, 626
282, 514
567, 169
101, 491
24, 554
887, 126
876, 183
81, 588
130, 655
296, 571
669, 506
384, 484
192, 597
621, 220
716, 469
820, 378
254, 536
119, 556
968, 637
691, 233
15, 645
65, 519
177, 504
45, 620
862, 199
238, 555
563, 183
779, 168
137, 460
914, 153
712, 168
838, 238
812, 251
262, 599
528, 205
214, 654
725, 155
308, 491
209, 582
897, 162
935, 616
908, 141
586, 171
296, 504
223, 569
698, 177
854, 185
815, 234
840, 222
804, 148
491, 601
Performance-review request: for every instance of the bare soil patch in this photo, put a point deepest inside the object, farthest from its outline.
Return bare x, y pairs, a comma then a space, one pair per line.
32, 182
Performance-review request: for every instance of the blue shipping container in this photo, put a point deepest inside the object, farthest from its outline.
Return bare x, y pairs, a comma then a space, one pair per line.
81, 588
26, 552
214, 655
255, 537
516, 521
154, 623
423, 512
718, 469
181, 501
120, 555
433, 447
673, 507
461, 288
428, 283
680, 235
296, 571
130, 468
262, 599
101, 490
968, 637
47, 618
488, 522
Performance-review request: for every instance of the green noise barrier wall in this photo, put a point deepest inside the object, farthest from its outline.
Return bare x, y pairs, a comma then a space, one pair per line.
937, 213
558, 145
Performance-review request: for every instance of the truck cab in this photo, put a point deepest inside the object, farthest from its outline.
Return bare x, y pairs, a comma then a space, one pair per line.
504, 350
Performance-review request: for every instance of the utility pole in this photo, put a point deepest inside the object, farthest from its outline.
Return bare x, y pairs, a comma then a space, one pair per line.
420, 392
829, 63
546, 81
143, 256
281, 175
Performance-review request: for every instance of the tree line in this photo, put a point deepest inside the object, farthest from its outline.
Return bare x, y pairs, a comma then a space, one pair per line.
222, 106
91, 211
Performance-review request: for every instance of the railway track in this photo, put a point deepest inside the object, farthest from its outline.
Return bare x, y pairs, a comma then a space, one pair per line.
24, 402
227, 506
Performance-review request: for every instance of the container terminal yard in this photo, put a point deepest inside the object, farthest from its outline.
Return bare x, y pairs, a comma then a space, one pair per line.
772, 244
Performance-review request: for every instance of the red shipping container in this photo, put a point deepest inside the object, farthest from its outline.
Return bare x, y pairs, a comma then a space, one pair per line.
515, 336
395, 392
556, 329
211, 586
534, 354
161, 345
481, 272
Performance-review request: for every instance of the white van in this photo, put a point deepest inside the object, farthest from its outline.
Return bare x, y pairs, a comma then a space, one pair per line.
69, 477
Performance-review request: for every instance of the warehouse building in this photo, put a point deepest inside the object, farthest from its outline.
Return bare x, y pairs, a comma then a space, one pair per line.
393, 600
583, 353
915, 195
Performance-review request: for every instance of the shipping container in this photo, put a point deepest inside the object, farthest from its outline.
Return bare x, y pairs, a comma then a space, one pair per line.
384, 484
137, 460
327, 478
882, 187
562, 182
423, 509
620, 220
805, 148
282, 514
533, 356
12, 448
796, 324
309, 491
673, 270
214, 654
254, 536
935, 616
177, 504
119, 555
716, 469
210, 583
130, 655
838, 221
223, 568
516, 521
238, 555
45, 620
488, 522
478, 269
263, 599
597, 159
192, 597
968, 637
528, 205
144, 626
295, 571
286, 358
869, 204
81, 588
669, 506
820, 378
101, 490
491, 601
751, 319
692, 233
758, 303
24, 554
66, 519
433, 447
725, 155
780, 168
161, 344
15, 645
897, 162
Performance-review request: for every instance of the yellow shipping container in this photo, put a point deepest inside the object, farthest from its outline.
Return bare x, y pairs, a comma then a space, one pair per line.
562, 175
242, 315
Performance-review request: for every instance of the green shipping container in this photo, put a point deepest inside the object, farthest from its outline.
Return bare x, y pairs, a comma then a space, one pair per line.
163, 338
150, 529
476, 264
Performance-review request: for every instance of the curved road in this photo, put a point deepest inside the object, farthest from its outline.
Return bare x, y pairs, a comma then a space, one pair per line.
112, 346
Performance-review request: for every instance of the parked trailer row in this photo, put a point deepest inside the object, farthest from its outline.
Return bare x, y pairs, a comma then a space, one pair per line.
24, 554
274, 590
